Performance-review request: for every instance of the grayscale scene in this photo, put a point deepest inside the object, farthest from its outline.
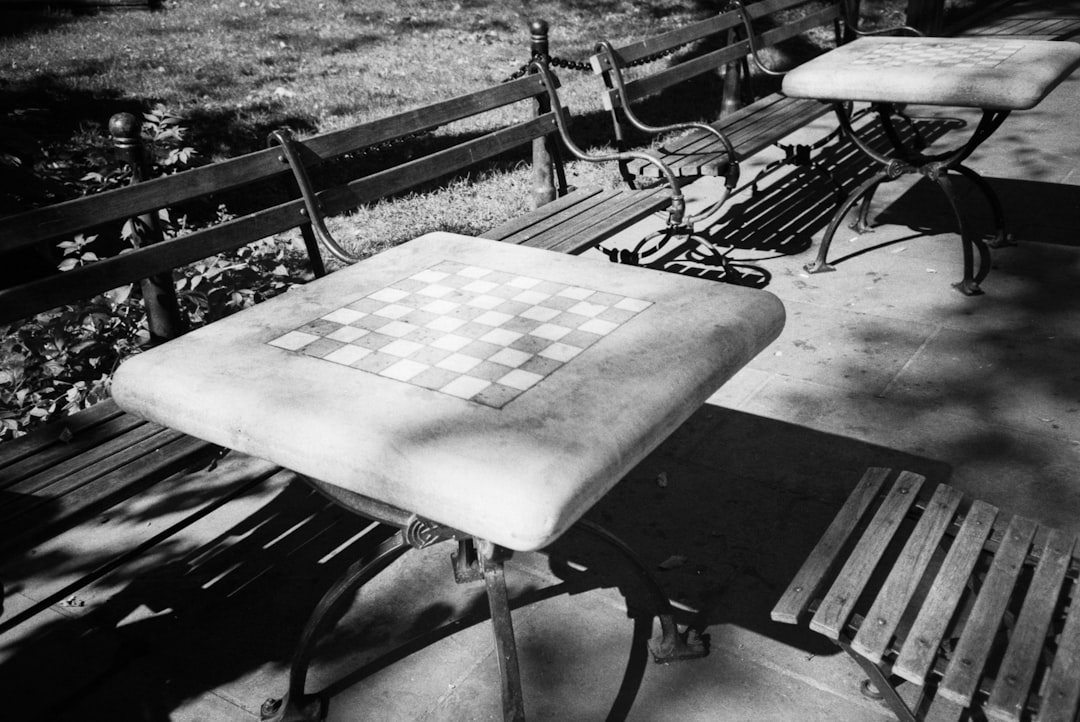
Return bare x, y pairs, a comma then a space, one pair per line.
643, 360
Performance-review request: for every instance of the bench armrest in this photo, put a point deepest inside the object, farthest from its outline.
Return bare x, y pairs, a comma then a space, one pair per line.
731, 178
677, 209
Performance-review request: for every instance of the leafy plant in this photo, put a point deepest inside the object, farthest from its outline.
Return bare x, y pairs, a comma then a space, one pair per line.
62, 361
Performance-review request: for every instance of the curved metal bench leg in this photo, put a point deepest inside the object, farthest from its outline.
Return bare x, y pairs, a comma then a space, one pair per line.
969, 284
821, 264
1001, 236
296, 706
671, 645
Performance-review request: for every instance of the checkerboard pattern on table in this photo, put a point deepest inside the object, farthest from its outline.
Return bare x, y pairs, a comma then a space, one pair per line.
475, 333
935, 55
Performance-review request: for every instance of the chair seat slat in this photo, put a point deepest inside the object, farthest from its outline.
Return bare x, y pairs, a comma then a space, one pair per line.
922, 642
878, 629
804, 586
969, 658
1028, 639
1061, 692
835, 608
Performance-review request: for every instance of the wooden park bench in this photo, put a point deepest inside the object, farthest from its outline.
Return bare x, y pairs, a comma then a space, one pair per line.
725, 49
979, 610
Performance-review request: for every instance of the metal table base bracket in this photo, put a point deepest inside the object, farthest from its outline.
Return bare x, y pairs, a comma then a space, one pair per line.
671, 645
474, 559
937, 167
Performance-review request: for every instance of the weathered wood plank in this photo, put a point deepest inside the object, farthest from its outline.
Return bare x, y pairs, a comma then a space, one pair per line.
892, 599
73, 216
924, 638
58, 432
84, 553
531, 227
22, 301
836, 606
1028, 640
812, 575
962, 677
96, 488
1061, 690
71, 456
586, 230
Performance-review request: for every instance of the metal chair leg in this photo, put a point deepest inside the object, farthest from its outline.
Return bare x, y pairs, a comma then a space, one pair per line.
881, 683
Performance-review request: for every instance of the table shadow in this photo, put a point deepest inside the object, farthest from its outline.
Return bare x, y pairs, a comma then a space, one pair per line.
1035, 211
189, 621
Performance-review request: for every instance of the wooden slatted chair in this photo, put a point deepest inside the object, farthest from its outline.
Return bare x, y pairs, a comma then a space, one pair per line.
979, 609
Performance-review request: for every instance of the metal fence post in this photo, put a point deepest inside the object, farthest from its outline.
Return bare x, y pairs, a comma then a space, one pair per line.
159, 294
543, 190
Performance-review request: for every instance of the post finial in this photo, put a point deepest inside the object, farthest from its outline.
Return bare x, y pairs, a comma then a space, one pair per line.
538, 30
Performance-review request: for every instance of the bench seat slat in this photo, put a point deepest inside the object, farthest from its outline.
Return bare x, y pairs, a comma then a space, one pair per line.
836, 606
873, 637
1061, 691
629, 207
802, 589
1017, 669
54, 433
519, 226
920, 647
26, 476
146, 462
771, 119
961, 679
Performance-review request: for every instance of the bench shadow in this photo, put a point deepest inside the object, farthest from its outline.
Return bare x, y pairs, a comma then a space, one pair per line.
782, 217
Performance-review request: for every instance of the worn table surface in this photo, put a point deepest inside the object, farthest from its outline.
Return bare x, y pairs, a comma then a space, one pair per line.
494, 388
988, 73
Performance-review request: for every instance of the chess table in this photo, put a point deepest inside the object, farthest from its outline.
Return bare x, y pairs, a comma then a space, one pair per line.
460, 389
994, 75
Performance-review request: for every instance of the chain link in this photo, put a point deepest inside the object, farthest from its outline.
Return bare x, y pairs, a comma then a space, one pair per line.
569, 64
386, 145
584, 66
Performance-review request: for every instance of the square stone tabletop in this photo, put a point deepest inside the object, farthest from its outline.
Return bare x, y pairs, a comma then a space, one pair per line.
497, 389
982, 72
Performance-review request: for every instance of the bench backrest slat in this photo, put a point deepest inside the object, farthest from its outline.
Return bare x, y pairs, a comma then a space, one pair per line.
651, 84
21, 301
70, 217
674, 39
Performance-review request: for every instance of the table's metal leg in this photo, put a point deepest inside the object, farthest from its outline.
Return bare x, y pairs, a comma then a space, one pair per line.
296, 705
671, 645
1001, 236
861, 224
969, 284
821, 264
513, 702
